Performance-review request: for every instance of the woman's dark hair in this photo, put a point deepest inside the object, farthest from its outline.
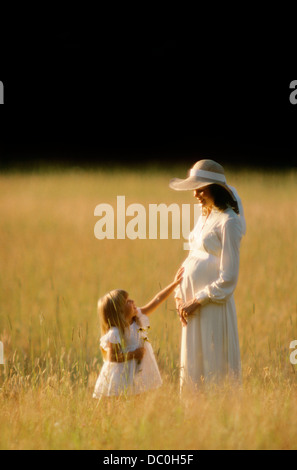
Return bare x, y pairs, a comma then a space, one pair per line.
222, 198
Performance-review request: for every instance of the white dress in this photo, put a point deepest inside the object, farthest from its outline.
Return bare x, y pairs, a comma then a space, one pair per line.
128, 377
209, 345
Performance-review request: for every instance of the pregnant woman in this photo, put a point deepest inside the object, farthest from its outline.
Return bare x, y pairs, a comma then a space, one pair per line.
204, 300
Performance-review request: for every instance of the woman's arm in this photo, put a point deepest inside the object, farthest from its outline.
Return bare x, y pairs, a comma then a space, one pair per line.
223, 287
163, 294
219, 290
115, 354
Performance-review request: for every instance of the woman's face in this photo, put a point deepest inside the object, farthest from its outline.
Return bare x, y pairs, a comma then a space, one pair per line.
204, 197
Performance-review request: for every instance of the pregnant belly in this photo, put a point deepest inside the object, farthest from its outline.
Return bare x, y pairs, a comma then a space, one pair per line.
201, 269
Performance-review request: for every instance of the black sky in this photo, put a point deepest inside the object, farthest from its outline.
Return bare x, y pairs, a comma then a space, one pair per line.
93, 93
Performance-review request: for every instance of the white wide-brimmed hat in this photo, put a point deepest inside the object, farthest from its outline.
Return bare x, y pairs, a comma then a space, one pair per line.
203, 173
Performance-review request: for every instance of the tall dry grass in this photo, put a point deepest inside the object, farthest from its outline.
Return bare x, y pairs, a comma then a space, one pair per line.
53, 270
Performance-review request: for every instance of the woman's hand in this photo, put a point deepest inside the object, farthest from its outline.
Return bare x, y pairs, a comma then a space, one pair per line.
178, 304
188, 308
179, 275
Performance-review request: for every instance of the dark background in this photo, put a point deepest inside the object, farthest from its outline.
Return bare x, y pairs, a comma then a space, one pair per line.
92, 96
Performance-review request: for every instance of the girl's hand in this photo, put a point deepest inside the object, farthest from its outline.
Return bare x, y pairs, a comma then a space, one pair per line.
138, 354
179, 275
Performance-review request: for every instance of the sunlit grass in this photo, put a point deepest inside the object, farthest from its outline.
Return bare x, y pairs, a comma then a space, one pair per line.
53, 270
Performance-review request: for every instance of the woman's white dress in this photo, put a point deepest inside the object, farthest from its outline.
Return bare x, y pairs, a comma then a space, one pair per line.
130, 377
209, 345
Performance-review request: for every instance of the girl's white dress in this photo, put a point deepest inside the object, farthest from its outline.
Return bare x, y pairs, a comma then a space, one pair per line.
209, 345
128, 377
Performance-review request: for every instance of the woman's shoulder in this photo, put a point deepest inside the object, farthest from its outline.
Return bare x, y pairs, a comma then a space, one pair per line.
228, 220
231, 223
227, 215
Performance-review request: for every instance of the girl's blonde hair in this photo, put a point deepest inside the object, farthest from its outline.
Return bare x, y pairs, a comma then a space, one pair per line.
111, 310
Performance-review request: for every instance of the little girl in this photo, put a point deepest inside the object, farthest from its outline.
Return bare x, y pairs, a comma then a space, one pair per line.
129, 365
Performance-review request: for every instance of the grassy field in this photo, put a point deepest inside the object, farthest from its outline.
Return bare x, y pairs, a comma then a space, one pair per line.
53, 270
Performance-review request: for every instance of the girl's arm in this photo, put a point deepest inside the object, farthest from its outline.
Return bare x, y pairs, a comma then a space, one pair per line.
115, 354
163, 294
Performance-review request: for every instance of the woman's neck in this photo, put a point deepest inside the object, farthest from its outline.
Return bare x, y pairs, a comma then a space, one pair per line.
206, 210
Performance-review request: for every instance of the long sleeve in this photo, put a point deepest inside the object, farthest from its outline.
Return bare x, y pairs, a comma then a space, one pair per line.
222, 288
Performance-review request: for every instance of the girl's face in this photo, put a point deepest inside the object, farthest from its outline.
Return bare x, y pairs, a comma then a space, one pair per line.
204, 197
130, 309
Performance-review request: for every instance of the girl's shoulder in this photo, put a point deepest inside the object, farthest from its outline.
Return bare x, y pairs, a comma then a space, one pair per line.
112, 336
142, 318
